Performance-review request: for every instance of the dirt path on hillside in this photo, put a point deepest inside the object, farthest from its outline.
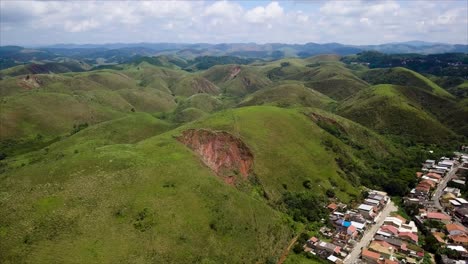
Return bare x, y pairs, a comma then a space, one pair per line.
286, 251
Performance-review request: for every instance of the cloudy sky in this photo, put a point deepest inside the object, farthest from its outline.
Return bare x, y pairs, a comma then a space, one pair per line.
33, 23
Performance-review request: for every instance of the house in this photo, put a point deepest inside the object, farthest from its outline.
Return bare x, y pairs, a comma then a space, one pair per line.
352, 231
367, 211
427, 183
359, 226
463, 202
453, 204
370, 257
389, 229
328, 247
458, 248
429, 163
462, 214
422, 189
437, 216
407, 236
433, 175
332, 207
459, 182
334, 259
372, 202
379, 196
435, 181
461, 239
446, 164
410, 227
383, 248
393, 221
312, 242
455, 229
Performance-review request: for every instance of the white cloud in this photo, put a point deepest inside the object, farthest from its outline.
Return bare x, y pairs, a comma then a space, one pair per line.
261, 14
352, 22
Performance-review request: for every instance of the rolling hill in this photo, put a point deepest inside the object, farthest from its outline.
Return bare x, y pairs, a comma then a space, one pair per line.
146, 162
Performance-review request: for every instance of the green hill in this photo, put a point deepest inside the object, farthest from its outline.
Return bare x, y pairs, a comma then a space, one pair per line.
236, 80
191, 85
404, 77
285, 95
99, 196
328, 77
396, 110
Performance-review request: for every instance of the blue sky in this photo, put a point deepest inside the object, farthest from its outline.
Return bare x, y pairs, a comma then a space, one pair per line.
34, 23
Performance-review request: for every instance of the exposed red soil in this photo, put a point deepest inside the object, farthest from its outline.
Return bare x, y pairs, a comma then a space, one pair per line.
234, 71
202, 85
30, 82
225, 154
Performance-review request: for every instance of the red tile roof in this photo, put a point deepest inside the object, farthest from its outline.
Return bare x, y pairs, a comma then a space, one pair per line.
409, 235
332, 206
352, 229
370, 254
435, 215
460, 238
433, 175
453, 227
390, 228
313, 239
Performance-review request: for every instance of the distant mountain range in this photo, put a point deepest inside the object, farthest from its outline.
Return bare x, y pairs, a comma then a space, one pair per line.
96, 54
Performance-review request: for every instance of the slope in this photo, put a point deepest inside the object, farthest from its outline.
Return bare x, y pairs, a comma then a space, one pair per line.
404, 77
390, 110
236, 80
320, 73
292, 94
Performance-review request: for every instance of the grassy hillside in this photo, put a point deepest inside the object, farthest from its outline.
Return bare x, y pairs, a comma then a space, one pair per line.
404, 77
292, 94
237, 80
321, 73
99, 195
396, 110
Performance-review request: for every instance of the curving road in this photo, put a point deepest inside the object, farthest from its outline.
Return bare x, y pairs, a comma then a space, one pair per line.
353, 256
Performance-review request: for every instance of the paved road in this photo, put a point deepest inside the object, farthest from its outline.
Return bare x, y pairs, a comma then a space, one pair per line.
441, 186
353, 257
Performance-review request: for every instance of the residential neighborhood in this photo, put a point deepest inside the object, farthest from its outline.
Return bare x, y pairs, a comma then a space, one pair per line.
373, 232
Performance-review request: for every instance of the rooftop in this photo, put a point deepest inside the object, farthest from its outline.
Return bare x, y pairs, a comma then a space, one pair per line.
369, 254
440, 216
365, 207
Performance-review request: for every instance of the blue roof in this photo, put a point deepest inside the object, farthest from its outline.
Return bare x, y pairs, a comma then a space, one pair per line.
346, 223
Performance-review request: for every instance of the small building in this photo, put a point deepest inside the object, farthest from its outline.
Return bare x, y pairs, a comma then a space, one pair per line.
370, 257
382, 247
437, 216
409, 227
332, 207
461, 239
455, 229
393, 221
329, 247
372, 202
367, 211
407, 236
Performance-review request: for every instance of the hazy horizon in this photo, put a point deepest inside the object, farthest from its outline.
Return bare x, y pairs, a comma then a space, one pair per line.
43, 23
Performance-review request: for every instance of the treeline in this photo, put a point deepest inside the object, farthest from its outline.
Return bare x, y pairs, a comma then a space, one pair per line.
447, 64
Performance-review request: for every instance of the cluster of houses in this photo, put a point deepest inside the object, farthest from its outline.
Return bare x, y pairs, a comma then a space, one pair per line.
395, 242
348, 227
444, 217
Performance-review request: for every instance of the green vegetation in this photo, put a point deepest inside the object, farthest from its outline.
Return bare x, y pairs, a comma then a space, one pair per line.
92, 169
